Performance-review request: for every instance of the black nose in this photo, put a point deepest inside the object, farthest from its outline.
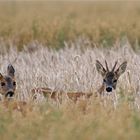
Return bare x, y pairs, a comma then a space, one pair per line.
109, 89
9, 94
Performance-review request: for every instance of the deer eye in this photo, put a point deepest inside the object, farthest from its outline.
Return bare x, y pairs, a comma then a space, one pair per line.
2, 84
104, 80
115, 81
14, 83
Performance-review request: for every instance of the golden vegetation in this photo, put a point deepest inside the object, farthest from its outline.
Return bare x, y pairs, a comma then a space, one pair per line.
70, 122
69, 69
52, 23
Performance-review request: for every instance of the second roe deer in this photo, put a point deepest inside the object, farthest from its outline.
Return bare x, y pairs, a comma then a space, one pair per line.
7, 82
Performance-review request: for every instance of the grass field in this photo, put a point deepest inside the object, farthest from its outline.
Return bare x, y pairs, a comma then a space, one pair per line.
72, 69
52, 23
85, 32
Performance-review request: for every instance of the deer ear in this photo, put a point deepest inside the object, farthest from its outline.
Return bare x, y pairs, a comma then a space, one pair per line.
121, 69
100, 68
10, 70
1, 76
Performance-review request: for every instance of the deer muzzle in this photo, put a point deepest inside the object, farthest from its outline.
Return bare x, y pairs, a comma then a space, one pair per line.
109, 89
9, 94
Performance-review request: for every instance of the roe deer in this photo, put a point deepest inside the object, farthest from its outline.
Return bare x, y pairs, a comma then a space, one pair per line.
110, 78
7, 82
57, 95
47, 92
7, 89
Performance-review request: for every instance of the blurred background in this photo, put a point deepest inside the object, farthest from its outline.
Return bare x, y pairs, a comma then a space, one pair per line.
52, 23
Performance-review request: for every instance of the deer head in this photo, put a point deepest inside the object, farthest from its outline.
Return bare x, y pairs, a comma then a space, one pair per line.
110, 78
7, 83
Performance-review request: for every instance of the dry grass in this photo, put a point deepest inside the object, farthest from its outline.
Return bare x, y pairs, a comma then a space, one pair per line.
72, 69
52, 23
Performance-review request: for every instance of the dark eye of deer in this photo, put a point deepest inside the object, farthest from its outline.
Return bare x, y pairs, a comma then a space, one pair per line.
104, 80
2, 84
14, 83
115, 81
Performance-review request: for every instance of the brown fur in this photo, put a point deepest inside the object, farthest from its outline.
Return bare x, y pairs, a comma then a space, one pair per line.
56, 95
